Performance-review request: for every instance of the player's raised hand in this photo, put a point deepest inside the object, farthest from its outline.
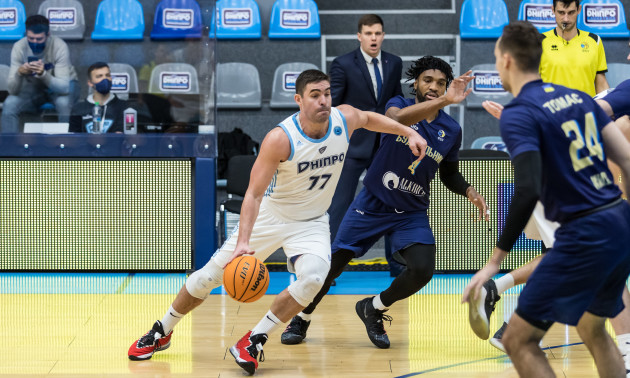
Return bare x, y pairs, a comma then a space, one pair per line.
480, 202
494, 108
457, 92
241, 249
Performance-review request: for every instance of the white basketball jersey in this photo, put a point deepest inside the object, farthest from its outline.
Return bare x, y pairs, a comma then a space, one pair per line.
303, 186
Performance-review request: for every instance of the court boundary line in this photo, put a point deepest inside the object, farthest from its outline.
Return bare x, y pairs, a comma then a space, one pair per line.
475, 361
125, 283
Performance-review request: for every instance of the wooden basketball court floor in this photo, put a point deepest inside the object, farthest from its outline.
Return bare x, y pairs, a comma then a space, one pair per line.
82, 325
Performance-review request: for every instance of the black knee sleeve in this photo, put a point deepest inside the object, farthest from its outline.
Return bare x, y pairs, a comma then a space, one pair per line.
420, 259
338, 262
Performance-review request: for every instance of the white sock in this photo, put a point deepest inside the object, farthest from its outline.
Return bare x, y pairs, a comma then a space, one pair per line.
306, 317
378, 304
170, 319
267, 324
623, 342
504, 283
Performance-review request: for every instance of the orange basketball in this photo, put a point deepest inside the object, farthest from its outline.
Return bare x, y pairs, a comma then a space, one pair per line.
246, 279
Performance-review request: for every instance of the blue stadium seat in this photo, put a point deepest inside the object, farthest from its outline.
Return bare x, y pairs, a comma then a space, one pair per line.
12, 17
177, 19
294, 19
283, 89
237, 19
66, 17
605, 18
483, 19
486, 86
539, 13
119, 20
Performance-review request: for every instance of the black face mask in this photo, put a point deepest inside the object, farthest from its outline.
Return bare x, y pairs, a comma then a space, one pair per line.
37, 48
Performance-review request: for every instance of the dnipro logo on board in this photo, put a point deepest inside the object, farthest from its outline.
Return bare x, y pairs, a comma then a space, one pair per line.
120, 82
175, 81
288, 81
237, 17
540, 15
487, 82
62, 16
177, 18
295, 18
8, 16
600, 14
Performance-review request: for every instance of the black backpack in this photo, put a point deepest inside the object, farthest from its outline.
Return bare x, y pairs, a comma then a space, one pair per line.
236, 142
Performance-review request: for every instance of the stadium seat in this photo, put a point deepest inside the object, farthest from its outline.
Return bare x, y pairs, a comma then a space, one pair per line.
119, 20
66, 17
237, 19
283, 88
177, 19
617, 72
605, 18
482, 19
237, 181
539, 13
238, 86
12, 17
294, 19
486, 86
494, 143
174, 78
124, 79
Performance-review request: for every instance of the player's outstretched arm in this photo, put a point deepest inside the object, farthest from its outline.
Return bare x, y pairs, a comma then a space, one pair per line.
494, 108
274, 149
473, 288
415, 113
357, 119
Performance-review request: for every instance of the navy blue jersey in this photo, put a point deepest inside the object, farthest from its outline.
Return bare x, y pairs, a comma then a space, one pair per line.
565, 126
619, 99
396, 177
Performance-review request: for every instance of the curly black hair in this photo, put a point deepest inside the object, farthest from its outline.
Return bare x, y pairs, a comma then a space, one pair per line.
428, 63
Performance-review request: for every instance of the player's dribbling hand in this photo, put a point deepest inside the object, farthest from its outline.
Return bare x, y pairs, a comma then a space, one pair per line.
494, 108
241, 249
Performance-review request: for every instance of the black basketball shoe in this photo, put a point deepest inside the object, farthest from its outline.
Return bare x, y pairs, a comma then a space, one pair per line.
373, 320
295, 331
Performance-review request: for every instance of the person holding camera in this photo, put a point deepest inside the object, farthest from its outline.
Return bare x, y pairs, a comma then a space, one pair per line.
40, 72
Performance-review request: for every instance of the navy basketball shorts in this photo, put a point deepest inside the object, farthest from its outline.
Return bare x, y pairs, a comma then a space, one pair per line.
368, 219
585, 271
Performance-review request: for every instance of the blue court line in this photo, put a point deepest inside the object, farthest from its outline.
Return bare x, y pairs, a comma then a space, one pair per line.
476, 361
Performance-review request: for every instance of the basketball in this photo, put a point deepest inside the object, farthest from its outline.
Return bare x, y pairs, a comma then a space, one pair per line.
246, 279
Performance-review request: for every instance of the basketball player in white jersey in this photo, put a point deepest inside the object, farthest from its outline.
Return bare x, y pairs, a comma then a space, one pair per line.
291, 186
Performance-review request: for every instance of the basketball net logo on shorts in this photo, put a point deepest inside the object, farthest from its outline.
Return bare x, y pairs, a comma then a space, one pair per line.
540, 15
8, 16
177, 18
392, 181
237, 17
175, 81
62, 16
120, 82
295, 18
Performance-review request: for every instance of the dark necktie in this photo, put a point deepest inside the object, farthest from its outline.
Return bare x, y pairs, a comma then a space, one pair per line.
379, 81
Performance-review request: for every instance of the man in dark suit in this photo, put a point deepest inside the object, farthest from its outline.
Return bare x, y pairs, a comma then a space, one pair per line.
365, 78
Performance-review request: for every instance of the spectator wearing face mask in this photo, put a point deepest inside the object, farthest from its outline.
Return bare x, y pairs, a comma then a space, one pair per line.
40, 72
112, 108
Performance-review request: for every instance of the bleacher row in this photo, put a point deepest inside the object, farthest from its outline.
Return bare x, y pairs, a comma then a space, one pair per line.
173, 19
238, 84
486, 18
240, 19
